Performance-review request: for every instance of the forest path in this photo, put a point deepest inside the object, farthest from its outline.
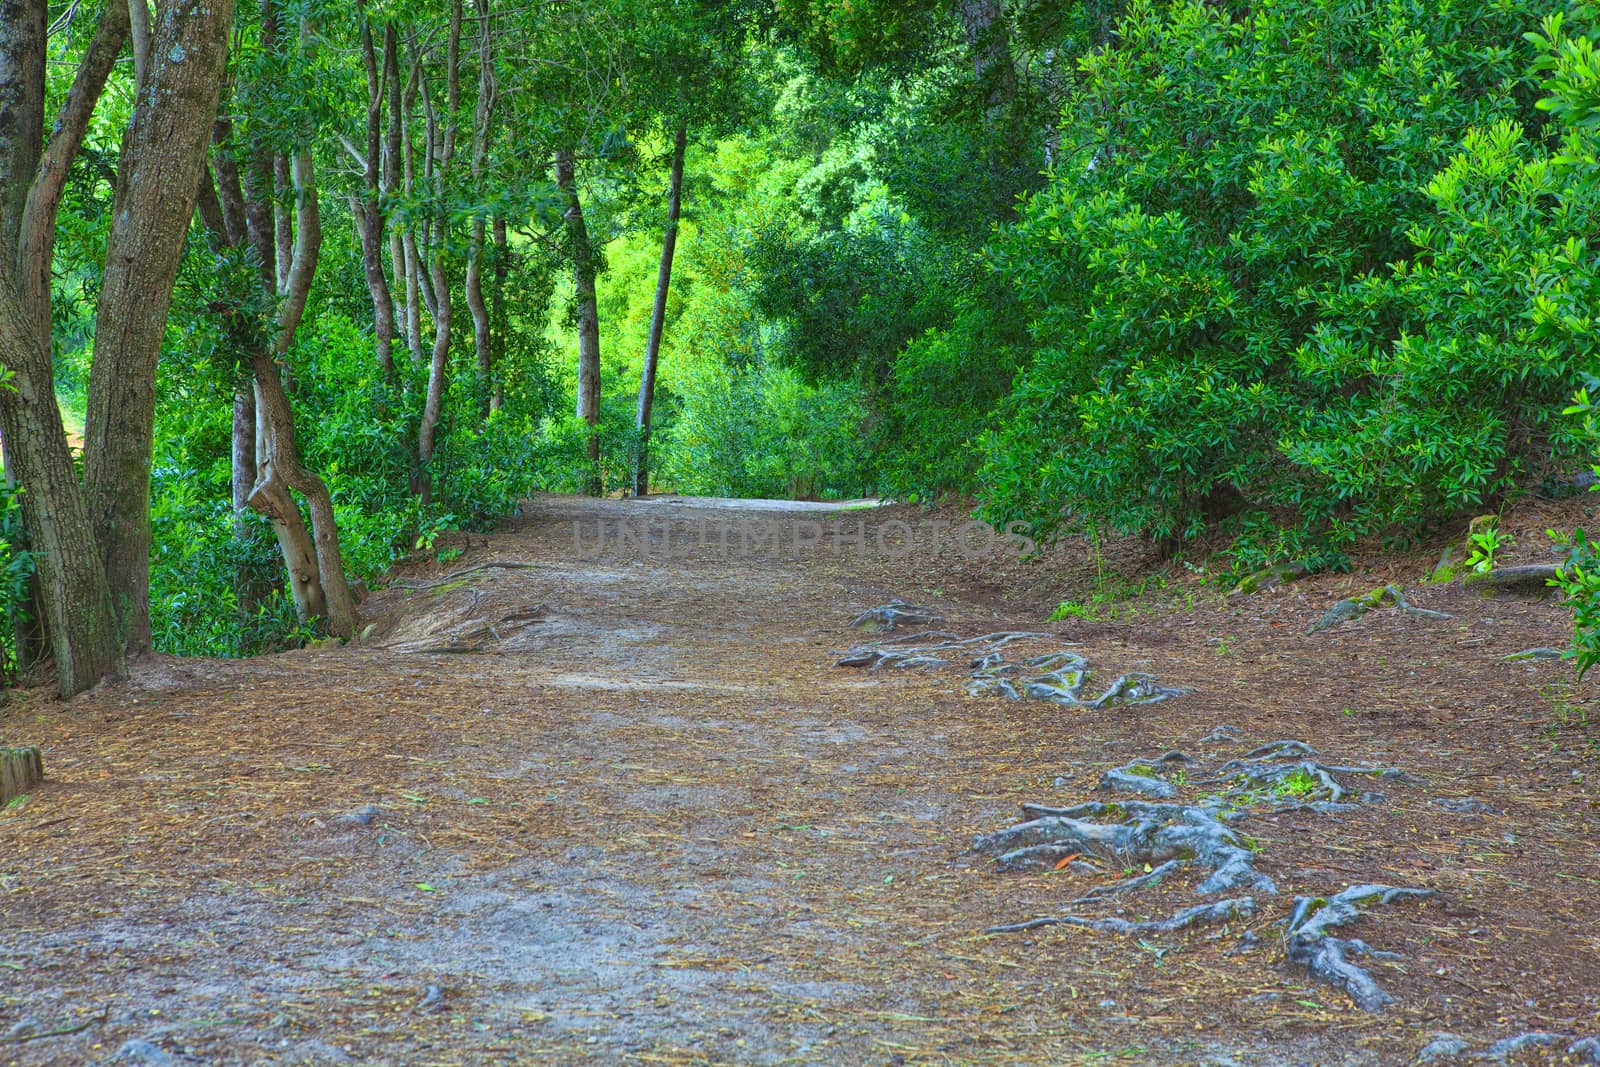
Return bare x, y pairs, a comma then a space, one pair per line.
607, 799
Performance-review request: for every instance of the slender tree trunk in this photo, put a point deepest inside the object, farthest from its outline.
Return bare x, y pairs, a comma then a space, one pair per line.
392, 149
442, 142
497, 312
311, 557
156, 192
658, 316
368, 208
482, 131
411, 255
319, 584
583, 270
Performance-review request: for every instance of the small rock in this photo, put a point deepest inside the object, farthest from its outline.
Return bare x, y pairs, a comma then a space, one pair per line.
1442, 1047
361, 816
1061, 780
144, 1052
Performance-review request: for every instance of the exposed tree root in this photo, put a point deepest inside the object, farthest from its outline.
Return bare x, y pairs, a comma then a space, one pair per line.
1168, 838
1221, 911
1142, 832
1309, 944
499, 565
1143, 777
1059, 677
1535, 579
1382, 597
1454, 1048
893, 615
899, 652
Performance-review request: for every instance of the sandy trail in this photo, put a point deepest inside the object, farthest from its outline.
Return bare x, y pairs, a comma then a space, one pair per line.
614, 804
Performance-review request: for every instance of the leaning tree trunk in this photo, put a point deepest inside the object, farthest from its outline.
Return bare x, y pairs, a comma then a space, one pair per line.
72, 582
658, 316
583, 271
280, 469
157, 184
33, 176
312, 557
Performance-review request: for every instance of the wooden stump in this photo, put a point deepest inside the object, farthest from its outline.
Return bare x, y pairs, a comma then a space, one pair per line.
20, 770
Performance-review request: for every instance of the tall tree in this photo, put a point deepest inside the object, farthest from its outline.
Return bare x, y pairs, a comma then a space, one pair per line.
658, 314
157, 182
441, 142
588, 309
266, 456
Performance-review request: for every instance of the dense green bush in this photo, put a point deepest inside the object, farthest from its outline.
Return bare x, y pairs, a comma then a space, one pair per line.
1250, 287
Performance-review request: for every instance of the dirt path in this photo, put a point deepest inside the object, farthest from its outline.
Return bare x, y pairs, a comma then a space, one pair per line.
624, 809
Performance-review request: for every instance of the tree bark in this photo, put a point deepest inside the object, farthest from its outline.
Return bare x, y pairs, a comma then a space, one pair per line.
658, 316
412, 265
156, 191
588, 307
23, 26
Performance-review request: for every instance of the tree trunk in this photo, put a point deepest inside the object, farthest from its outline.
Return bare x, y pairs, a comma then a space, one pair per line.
311, 557
23, 26
989, 41
368, 209
33, 177
482, 131
497, 311
72, 581
583, 270
658, 316
328, 595
412, 265
156, 190
442, 150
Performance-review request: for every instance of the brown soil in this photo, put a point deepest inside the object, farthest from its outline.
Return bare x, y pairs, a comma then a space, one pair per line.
631, 813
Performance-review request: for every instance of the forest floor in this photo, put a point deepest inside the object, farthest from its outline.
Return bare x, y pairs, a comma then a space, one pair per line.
616, 804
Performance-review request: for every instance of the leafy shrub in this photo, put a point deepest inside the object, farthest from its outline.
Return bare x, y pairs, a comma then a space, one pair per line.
1218, 329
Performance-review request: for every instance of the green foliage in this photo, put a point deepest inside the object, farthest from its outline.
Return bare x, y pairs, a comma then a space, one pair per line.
16, 568
1484, 547
1244, 293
